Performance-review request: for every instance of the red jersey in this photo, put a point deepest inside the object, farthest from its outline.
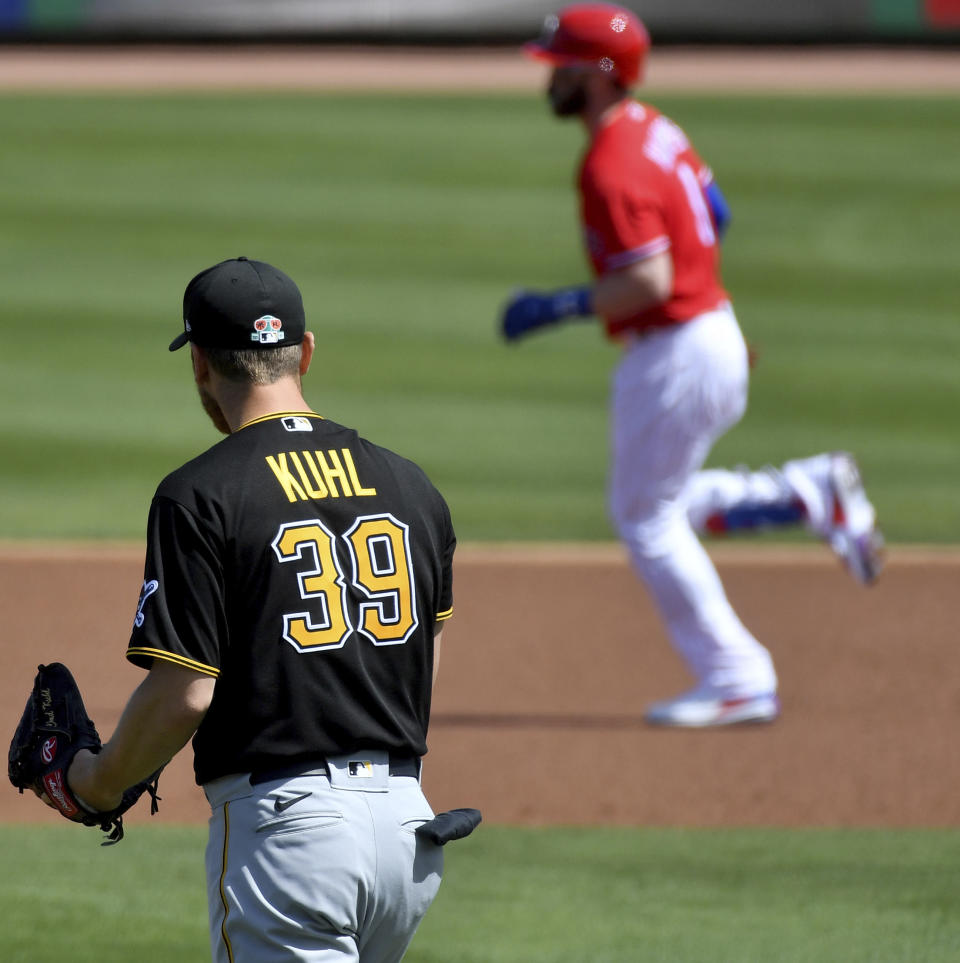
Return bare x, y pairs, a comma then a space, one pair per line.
641, 191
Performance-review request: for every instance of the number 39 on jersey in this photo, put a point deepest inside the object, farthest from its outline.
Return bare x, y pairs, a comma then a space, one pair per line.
377, 550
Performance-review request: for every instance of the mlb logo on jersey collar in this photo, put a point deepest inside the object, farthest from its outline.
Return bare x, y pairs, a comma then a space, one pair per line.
296, 423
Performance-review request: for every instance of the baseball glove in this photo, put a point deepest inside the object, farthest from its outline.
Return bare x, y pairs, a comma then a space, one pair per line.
53, 729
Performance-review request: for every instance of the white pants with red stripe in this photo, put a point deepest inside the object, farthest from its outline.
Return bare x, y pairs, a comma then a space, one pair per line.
675, 392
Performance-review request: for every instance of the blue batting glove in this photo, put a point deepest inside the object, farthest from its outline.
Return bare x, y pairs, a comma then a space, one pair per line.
528, 310
525, 312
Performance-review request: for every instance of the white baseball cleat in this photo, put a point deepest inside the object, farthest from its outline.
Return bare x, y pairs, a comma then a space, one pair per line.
853, 534
702, 707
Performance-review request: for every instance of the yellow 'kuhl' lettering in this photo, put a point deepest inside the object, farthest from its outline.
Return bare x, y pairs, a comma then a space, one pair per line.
292, 488
304, 475
358, 489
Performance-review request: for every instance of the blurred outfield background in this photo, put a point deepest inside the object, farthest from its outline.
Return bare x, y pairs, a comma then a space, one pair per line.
407, 219
486, 20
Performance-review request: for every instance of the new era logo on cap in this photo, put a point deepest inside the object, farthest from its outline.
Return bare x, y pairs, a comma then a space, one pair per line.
239, 304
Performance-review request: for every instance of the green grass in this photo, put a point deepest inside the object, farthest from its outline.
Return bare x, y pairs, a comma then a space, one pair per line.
407, 220
531, 896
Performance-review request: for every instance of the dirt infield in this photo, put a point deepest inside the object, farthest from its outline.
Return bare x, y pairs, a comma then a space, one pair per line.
550, 657
778, 70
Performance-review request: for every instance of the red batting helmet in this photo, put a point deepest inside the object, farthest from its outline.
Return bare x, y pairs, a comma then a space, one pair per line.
609, 37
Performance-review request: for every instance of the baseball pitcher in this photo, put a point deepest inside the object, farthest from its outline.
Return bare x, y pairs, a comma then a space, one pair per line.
296, 581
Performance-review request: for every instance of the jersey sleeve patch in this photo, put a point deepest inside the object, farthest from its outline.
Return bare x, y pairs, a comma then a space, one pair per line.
180, 613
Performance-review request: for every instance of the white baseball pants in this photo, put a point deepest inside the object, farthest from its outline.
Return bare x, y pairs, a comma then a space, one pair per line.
313, 869
675, 392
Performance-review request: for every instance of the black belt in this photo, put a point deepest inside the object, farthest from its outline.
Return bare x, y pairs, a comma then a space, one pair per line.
399, 766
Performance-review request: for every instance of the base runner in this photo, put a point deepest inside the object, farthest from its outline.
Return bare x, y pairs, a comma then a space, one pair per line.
652, 215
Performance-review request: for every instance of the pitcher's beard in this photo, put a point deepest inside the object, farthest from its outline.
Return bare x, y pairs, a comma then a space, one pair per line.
213, 411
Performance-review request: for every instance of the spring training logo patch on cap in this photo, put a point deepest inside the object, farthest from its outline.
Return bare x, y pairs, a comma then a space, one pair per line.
267, 330
221, 302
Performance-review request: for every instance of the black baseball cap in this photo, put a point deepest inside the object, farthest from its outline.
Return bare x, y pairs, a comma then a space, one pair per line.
240, 304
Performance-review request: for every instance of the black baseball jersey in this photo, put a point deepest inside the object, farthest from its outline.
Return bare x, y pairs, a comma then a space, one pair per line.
304, 568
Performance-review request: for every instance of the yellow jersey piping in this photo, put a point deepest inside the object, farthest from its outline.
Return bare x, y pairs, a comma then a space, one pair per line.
280, 414
174, 658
